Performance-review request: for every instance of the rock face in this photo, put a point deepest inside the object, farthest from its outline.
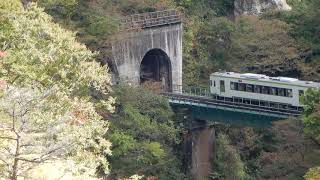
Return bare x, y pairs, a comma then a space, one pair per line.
256, 7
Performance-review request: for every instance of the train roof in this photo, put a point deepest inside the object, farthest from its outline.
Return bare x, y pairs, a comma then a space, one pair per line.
265, 78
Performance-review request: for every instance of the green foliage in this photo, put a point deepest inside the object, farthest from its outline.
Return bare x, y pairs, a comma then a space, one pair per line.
205, 9
261, 43
216, 38
99, 25
58, 2
277, 44
292, 153
10, 5
67, 7
121, 143
147, 137
304, 20
248, 44
191, 61
50, 76
141, 6
313, 174
41, 51
227, 160
311, 118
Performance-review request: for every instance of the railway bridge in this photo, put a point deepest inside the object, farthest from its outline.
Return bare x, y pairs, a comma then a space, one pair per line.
149, 48
202, 98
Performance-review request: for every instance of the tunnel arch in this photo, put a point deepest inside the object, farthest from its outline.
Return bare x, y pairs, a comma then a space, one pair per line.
156, 67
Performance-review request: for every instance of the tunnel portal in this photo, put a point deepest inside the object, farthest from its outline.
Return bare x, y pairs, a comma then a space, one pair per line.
156, 67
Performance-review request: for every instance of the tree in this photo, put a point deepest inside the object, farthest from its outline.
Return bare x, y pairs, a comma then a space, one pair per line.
35, 131
143, 135
311, 121
53, 81
313, 174
227, 160
311, 117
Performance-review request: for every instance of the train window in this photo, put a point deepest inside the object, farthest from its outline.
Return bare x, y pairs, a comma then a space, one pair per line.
281, 92
274, 105
261, 89
265, 90
249, 88
263, 103
210, 82
285, 92
257, 89
274, 91
222, 87
255, 102
238, 100
214, 83
234, 86
283, 106
293, 107
246, 101
242, 87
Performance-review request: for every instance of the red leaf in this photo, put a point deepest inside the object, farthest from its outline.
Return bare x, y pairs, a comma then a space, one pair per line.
2, 53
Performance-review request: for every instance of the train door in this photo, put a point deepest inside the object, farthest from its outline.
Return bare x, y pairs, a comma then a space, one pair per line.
213, 86
222, 86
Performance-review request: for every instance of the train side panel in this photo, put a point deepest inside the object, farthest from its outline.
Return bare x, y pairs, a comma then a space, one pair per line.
221, 86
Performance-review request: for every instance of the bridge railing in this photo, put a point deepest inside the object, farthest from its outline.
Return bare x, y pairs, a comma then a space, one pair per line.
189, 90
152, 19
203, 95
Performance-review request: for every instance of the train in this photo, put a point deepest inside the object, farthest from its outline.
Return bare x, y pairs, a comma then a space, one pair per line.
259, 90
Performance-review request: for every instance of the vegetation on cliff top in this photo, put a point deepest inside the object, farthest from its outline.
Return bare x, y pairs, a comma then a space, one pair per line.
48, 117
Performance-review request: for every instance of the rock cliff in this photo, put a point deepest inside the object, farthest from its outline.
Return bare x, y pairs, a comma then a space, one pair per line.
256, 7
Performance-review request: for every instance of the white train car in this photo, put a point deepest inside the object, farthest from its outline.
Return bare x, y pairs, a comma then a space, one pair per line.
259, 89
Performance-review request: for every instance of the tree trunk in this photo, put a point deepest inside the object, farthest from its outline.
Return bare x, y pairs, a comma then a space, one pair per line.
15, 170
14, 175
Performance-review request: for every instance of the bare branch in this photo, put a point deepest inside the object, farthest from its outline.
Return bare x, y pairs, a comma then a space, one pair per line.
51, 151
8, 150
31, 160
10, 138
5, 129
23, 125
5, 162
42, 158
28, 145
